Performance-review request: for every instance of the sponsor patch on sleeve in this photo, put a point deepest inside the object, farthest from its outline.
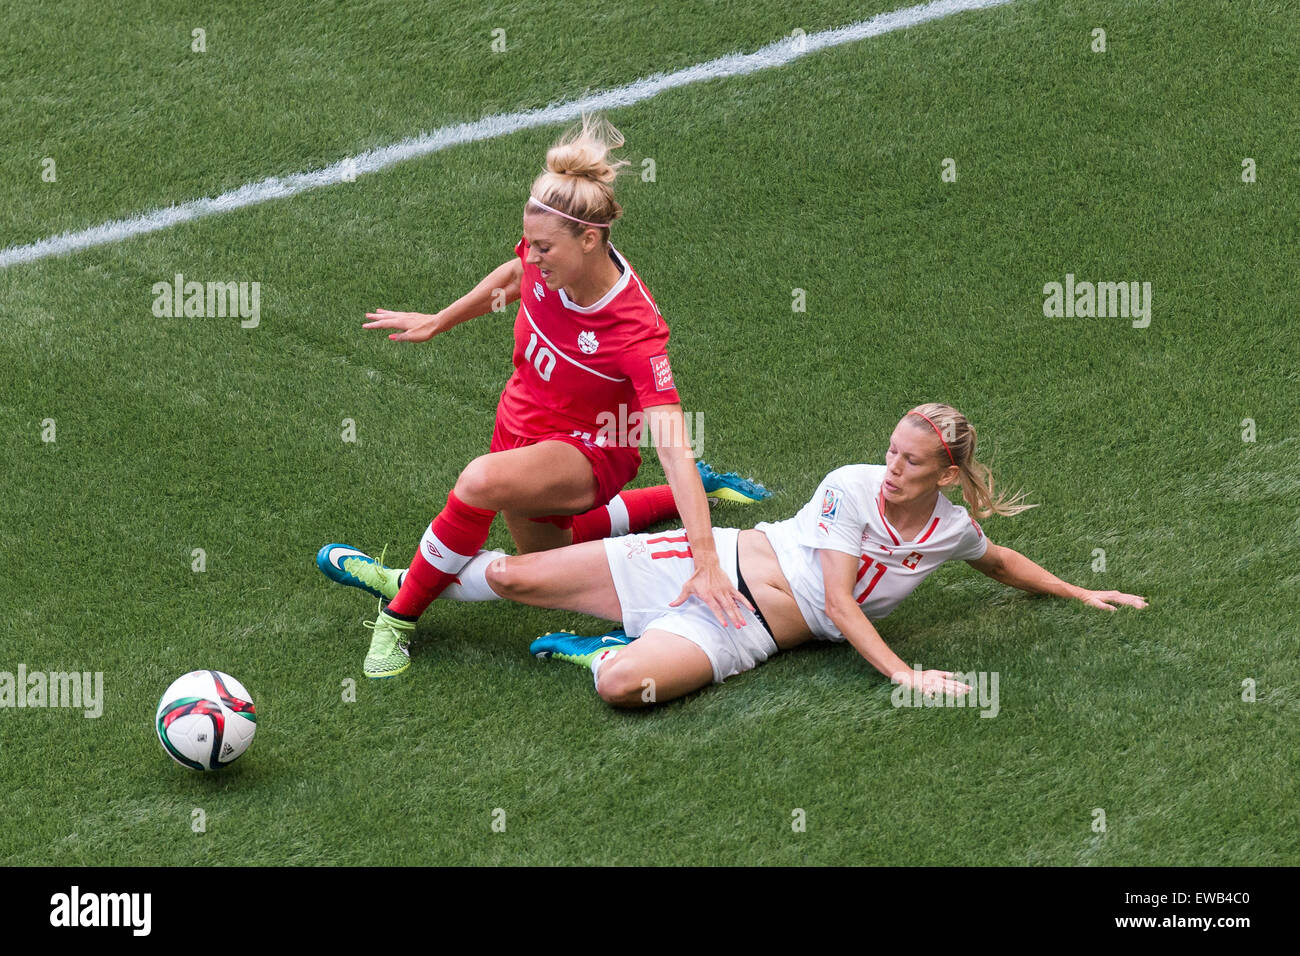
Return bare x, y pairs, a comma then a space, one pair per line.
663, 373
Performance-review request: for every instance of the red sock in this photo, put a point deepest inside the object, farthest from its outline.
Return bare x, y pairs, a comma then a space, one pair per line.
631, 510
591, 526
647, 506
449, 542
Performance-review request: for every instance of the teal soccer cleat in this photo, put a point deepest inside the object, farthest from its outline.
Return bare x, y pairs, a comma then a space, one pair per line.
575, 649
730, 487
343, 564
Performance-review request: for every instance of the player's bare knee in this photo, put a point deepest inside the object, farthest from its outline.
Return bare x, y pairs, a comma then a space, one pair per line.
512, 577
620, 685
501, 577
479, 484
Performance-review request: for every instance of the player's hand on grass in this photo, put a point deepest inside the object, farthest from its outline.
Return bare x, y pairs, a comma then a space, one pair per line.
711, 585
413, 326
935, 683
1103, 599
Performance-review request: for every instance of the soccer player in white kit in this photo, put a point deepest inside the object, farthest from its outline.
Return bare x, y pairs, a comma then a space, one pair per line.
852, 554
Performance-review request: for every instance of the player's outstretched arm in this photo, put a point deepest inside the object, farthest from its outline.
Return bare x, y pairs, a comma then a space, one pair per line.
839, 574
1015, 570
709, 583
499, 287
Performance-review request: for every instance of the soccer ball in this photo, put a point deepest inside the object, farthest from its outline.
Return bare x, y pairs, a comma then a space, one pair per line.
205, 720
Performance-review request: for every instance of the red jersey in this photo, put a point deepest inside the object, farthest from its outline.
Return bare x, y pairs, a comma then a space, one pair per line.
573, 362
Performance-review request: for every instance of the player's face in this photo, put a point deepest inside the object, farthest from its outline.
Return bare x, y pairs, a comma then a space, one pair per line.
914, 464
554, 250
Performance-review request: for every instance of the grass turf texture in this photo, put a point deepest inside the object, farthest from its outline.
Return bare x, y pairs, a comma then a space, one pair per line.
175, 434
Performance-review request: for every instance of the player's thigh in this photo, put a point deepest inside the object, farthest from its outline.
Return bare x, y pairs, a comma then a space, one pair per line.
659, 666
575, 578
550, 477
533, 535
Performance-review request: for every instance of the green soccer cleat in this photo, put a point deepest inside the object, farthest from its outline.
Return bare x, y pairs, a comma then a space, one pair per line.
567, 646
346, 565
730, 486
389, 652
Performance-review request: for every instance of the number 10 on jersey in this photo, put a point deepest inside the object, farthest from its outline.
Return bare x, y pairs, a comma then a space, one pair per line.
543, 361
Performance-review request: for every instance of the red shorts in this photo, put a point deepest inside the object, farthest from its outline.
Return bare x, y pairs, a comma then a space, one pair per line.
613, 467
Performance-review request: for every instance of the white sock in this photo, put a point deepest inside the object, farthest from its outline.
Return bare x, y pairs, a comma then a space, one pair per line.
598, 661
619, 522
472, 584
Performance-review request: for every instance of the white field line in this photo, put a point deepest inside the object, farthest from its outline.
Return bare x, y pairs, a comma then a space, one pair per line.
779, 53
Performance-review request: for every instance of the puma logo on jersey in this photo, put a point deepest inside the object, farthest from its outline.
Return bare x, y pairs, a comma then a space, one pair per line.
868, 541
587, 342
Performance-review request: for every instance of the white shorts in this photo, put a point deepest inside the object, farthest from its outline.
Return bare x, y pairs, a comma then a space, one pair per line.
649, 571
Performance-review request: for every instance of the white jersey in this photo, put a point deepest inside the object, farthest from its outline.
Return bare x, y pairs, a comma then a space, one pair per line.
848, 515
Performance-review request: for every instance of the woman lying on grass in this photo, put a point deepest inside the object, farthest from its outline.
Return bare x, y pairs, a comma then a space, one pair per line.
868, 537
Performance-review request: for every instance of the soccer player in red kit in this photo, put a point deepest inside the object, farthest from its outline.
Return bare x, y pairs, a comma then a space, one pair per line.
591, 352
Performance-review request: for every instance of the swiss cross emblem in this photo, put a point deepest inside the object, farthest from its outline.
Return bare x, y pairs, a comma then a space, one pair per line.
663, 373
912, 560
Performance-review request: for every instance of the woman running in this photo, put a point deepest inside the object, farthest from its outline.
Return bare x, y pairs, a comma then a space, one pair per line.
864, 541
589, 341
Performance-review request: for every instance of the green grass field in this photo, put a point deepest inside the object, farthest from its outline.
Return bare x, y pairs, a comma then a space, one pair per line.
824, 175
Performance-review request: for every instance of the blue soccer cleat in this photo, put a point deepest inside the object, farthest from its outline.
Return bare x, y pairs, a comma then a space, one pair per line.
575, 649
730, 487
344, 564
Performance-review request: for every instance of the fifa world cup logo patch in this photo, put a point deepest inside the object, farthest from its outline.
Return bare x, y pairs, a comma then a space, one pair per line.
830, 510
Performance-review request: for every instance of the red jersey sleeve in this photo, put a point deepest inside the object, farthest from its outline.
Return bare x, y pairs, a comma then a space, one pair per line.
521, 248
646, 366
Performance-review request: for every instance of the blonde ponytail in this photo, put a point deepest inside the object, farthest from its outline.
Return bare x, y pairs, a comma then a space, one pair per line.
958, 435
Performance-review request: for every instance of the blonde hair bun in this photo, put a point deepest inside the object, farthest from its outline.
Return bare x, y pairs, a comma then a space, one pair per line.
580, 173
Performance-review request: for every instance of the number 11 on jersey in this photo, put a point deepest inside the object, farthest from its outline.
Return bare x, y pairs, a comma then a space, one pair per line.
862, 572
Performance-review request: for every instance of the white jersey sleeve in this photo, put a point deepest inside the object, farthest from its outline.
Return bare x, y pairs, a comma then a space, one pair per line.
973, 544
847, 514
835, 517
